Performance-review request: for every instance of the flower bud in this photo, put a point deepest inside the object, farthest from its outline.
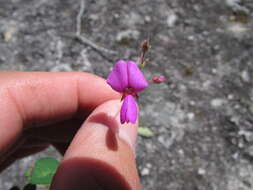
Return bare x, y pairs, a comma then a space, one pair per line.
158, 79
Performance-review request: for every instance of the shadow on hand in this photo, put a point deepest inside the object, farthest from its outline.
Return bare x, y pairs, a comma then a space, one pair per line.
90, 174
112, 124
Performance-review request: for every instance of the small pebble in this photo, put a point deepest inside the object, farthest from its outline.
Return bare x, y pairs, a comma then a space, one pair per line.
147, 18
127, 34
149, 165
230, 96
181, 151
145, 171
192, 103
214, 71
171, 19
232, 3
190, 116
61, 68
217, 102
245, 76
201, 171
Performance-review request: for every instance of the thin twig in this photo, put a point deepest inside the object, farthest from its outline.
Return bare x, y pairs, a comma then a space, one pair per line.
95, 46
79, 17
88, 42
85, 40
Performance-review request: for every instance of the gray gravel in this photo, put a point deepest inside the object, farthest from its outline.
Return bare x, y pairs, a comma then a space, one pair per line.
201, 117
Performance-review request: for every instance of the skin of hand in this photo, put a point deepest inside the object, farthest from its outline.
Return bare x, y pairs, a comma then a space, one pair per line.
75, 112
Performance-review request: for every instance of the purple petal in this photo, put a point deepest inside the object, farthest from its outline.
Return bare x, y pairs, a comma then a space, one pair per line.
136, 79
128, 112
118, 78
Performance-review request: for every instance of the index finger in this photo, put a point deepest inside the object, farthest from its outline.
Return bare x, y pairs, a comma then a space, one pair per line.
34, 98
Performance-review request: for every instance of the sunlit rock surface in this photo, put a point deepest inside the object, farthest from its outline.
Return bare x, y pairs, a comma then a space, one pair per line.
202, 116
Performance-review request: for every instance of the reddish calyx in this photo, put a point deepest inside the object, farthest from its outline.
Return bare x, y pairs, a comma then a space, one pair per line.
129, 91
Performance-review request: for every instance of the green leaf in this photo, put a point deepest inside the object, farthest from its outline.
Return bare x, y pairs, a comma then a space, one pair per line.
145, 132
43, 171
28, 173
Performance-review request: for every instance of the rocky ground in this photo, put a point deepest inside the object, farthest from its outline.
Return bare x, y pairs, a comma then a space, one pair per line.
201, 117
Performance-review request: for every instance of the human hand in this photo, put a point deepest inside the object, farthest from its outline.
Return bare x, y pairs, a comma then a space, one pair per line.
39, 109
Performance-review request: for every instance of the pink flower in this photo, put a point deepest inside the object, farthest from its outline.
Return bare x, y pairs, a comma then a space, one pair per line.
127, 79
159, 79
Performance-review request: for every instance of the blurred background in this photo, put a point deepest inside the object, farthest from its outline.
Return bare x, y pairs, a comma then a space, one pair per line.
201, 116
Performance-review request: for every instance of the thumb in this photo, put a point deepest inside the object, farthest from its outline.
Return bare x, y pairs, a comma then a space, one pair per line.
99, 158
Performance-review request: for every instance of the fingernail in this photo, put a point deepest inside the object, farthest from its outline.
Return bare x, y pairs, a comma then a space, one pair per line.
128, 138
